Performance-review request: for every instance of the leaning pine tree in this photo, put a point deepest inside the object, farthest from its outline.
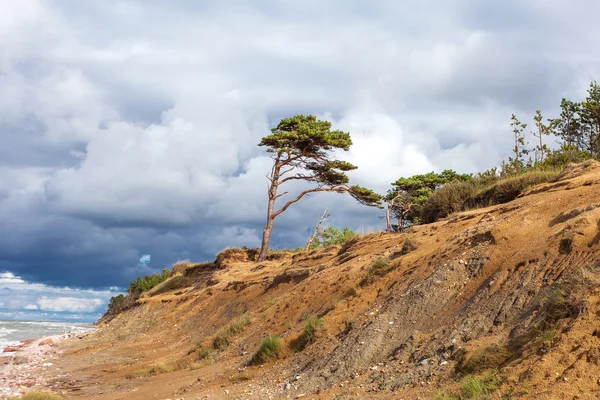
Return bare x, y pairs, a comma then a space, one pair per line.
301, 148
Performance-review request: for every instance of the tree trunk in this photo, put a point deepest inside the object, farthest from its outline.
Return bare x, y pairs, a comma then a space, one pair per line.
387, 219
541, 148
264, 248
316, 232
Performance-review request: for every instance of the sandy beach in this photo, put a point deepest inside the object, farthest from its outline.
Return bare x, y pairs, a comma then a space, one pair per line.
22, 367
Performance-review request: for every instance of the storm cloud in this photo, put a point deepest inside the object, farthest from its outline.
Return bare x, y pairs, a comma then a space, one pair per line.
130, 127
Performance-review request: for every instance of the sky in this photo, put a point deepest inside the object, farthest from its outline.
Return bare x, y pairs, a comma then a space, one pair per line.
131, 127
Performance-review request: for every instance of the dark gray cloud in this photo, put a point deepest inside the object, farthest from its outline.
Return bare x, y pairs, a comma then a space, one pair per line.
133, 126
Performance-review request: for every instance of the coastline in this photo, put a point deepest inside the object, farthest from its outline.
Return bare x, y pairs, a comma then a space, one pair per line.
22, 366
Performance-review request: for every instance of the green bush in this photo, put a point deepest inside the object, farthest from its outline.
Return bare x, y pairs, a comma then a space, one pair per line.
117, 305
121, 303
140, 285
269, 350
332, 237
565, 155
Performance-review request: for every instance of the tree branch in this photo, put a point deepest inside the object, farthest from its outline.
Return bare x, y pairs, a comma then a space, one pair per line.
285, 172
298, 177
301, 195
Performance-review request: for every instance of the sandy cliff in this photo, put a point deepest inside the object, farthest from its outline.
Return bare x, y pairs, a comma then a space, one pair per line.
509, 291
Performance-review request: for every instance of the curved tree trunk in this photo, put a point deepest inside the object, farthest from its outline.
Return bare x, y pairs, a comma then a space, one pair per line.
274, 179
264, 249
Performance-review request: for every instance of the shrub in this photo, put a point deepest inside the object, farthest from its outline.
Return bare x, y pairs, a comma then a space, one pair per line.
117, 305
348, 323
446, 200
269, 350
140, 285
160, 368
332, 237
204, 353
241, 377
443, 395
121, 303
560, 158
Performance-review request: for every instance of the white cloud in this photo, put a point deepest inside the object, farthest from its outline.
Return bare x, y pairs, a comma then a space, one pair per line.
133, 125
71, 304
18, 295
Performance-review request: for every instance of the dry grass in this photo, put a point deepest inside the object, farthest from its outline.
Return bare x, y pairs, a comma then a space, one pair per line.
479, 193
484, 359
508, 189
446, 200
223, 337
379, 268
176, 282
40, 396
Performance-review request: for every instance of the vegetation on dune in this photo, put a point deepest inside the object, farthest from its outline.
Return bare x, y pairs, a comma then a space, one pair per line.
481, 192
118, 304
332, 236
40, 396
309, 333
143, 284
425, 198
302, 148
379, 267
269, 350
408, 195
474, 388
223, 337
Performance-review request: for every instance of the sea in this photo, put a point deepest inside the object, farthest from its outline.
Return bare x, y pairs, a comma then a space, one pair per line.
12, 332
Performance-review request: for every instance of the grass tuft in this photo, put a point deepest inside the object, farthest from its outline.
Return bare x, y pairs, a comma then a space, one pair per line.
223, 337
40, 396
309, 334
380, 267
478, 387
269, 350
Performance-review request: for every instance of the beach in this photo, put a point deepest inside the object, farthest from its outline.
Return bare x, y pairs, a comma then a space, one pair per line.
22, 365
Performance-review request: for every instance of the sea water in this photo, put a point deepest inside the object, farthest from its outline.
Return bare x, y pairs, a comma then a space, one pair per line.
13, 332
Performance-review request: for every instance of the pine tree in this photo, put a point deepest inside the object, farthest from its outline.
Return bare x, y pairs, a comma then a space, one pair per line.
303, 144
